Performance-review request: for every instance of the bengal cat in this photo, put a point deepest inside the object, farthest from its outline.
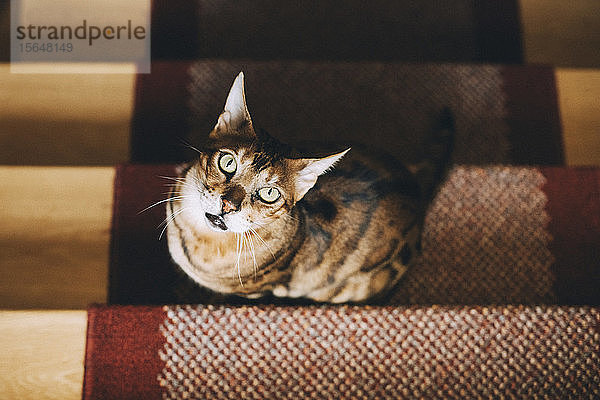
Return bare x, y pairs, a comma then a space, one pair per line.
251, 217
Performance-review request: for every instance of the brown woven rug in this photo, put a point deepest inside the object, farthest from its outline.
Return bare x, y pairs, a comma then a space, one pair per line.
208, 352
485, 242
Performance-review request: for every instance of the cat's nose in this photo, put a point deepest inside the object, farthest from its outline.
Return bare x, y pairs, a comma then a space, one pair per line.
228, 206
232, 198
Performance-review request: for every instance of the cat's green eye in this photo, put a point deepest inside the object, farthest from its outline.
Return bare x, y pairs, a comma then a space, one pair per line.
269, 195
227, 164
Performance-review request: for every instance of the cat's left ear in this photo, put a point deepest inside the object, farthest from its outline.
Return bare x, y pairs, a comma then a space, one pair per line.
235, 118
311, 168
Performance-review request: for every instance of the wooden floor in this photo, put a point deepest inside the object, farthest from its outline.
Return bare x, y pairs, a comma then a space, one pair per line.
55, 220
42, 354
65, 119
579, 102
55, 240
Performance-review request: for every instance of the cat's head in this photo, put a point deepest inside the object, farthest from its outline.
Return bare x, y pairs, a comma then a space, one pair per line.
245, 179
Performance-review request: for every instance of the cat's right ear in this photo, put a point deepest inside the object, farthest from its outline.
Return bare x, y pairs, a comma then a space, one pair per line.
309, 169
235, 119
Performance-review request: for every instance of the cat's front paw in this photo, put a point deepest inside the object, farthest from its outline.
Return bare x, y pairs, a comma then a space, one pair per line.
280, 291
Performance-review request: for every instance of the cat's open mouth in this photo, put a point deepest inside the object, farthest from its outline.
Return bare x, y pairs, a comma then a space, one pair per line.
216, 221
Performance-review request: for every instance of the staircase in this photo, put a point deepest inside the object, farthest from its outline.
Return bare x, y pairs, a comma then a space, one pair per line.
491, 256
503, 303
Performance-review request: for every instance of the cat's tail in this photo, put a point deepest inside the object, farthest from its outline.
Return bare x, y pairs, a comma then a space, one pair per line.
439, 147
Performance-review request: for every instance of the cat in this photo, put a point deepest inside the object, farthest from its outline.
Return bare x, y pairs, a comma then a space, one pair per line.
252, 217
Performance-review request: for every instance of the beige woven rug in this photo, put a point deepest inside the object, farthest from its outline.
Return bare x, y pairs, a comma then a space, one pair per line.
375, 353
484, 242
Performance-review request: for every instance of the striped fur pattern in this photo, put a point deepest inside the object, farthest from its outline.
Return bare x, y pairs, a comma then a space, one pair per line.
249, 217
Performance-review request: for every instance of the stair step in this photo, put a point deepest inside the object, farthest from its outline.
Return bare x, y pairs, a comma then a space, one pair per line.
342, 352
415, 31
494, 235
504, 114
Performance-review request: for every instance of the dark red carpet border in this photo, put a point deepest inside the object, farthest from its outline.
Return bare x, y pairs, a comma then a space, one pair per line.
574, 209
533, 115
140, 269
122, 346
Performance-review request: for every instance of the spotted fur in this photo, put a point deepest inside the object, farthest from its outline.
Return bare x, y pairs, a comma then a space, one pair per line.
345, 237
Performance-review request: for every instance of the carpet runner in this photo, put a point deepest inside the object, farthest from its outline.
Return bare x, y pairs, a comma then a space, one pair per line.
218, 352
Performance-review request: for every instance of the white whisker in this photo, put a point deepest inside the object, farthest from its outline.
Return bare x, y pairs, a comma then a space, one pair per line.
174, 179
168, 220
244, 247
189, 145
245, 241
161, 202
253, 231
251, 242
239, 253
